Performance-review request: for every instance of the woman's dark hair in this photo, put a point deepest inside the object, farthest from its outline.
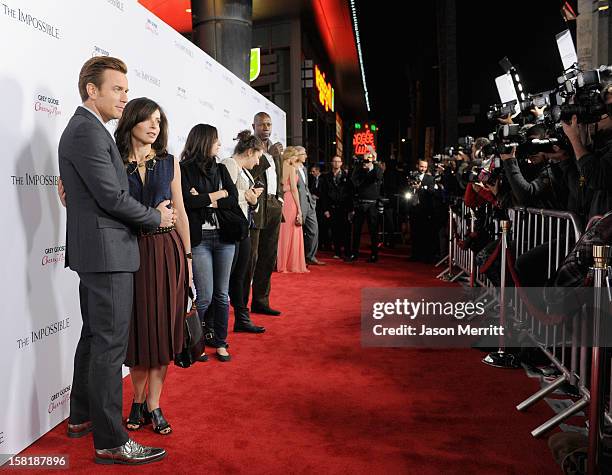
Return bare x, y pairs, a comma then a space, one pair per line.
136, 111
199, 144
247, 141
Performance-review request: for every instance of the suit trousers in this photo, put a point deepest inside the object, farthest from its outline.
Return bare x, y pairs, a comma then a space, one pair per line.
264, 248
311, 234
341, 230
97, 386
363, 212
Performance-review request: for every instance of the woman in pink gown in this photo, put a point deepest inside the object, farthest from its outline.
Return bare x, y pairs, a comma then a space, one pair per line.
291, 257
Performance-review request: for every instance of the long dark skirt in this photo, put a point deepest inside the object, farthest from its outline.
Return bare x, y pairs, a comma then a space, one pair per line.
160, 300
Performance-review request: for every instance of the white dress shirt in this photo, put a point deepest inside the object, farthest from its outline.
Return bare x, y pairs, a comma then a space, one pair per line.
271, 175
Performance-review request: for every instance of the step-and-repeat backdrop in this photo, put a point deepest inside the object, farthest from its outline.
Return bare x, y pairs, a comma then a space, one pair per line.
44, 43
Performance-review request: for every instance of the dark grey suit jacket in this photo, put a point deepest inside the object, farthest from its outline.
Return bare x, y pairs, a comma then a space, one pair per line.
307, 201
100, 210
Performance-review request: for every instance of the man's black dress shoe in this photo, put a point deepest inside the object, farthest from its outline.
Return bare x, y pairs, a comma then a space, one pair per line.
248, 328
79, 430
315, 262
265, 311
130, 453
373, 258
351, 258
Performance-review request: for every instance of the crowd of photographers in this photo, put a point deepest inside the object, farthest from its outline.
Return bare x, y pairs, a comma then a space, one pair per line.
551, 151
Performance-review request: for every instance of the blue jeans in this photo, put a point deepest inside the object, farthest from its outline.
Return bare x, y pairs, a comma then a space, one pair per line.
212, 264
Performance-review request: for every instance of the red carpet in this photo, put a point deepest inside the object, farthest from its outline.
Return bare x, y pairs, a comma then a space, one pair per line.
306, 398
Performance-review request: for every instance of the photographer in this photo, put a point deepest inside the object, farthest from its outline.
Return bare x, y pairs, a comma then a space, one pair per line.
468, 162
366, 178
422, 227
546, 189
594, 168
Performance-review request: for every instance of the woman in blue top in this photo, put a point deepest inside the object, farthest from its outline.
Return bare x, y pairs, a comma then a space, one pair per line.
161, 284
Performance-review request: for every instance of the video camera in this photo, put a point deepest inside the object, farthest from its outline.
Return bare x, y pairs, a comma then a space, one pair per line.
581, 93
499, 111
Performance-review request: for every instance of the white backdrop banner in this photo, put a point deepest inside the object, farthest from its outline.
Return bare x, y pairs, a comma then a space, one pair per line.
44, 44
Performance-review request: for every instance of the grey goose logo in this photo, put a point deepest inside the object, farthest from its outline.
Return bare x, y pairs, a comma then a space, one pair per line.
47, 105
152, 27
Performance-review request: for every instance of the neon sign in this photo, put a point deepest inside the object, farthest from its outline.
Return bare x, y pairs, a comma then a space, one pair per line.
326, 91
364, 137
361, 140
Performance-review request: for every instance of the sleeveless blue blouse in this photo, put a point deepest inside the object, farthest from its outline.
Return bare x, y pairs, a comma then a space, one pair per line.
158, 177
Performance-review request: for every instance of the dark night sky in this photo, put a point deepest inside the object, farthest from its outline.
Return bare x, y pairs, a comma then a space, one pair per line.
402, 45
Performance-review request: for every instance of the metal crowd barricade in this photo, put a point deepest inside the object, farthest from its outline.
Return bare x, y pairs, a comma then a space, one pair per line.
564, 344
568, 345
461, 224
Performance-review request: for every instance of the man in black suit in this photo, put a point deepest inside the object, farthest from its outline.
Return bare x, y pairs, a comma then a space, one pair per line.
315, 183
267, 218
421, 216
102, 248
335, 204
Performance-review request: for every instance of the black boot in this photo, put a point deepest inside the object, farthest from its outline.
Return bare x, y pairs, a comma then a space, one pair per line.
243, 323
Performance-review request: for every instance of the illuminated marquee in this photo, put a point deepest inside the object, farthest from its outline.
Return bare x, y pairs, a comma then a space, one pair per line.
362, 138
326, 91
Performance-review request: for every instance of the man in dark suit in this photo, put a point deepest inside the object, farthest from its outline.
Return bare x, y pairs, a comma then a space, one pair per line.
421, 216
102, 248
308, 206
336, 203
315, 183
267, 218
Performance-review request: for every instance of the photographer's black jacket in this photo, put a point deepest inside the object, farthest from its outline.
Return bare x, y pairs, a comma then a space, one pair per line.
596, 172
367, 183
545, 191
335, 193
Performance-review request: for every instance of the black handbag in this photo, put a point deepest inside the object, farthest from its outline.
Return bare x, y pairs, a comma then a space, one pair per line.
193, 341
233, 226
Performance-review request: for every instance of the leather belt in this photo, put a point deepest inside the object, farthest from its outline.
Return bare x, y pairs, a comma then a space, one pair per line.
159, 230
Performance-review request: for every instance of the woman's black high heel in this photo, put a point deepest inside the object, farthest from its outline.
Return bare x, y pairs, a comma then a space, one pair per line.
160, 424
136, 419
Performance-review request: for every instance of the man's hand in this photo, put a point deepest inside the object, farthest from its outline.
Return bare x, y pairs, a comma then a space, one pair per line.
573, 132
571, 129
193, 192
168, 216
505, 120
277, 148
327, 214
538, 111
61, 192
